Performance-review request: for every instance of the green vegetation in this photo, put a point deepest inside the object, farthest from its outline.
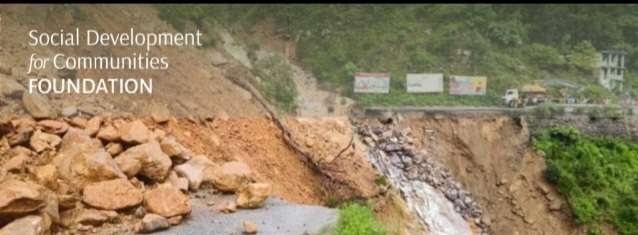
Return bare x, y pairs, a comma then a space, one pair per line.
355, 219
598, 176
511, 44
276, 82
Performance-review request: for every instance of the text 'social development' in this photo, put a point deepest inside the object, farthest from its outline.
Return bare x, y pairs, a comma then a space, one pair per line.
136, 60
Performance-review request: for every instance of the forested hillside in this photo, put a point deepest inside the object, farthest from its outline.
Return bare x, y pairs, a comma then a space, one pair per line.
510, 44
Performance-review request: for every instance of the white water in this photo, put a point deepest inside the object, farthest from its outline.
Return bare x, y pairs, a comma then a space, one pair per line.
425, 201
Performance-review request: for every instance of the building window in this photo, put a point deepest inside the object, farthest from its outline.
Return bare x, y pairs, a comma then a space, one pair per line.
619, 72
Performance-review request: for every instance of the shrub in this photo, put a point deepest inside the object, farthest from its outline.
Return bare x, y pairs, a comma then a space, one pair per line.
356, 219
598, 176
277, 83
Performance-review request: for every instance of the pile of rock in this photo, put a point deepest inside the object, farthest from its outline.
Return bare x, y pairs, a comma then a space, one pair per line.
78, 174
396, 148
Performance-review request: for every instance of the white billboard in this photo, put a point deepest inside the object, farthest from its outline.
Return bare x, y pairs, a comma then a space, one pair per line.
425, 83
372, 83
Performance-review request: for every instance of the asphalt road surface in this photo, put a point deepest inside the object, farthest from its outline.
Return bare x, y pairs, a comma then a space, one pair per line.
277, 217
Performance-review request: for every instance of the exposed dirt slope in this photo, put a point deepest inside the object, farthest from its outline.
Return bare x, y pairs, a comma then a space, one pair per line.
313, 100
490, 158
191, 85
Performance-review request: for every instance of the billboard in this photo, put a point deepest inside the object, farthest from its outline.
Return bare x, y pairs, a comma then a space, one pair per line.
468, 85
425, 83
372, 83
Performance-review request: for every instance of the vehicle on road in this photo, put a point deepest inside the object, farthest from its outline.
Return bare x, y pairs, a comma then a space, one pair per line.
537, 93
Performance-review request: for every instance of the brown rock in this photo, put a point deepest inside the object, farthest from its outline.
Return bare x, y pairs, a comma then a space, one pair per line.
174, 180
172, 148
250, 227
108, 133
206, 166
78, 216
47, 175
38, 105
28, 225
21, 136
53, 127
112, 195
175, 220
231, 176
253, 195
157, 135
83, 167
51, 213
43, 141
167, 201
160, 113
134, 132
75, 139
66, 201
227, 207
20, 198
129, 166
93, 126
155, 163
192, 174
16, 164
79, 122
114, 148
153, 222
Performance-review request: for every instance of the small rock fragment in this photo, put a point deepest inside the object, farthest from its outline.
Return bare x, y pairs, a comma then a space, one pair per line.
153, 222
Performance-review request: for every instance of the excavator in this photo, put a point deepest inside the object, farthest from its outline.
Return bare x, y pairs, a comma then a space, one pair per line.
537, 93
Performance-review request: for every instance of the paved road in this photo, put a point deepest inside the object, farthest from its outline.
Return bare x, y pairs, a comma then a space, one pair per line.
277, 217
466, 109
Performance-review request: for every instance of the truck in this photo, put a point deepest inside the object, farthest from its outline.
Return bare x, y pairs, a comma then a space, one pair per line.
537, 93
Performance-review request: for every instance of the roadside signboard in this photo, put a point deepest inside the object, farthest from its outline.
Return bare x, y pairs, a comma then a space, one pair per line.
372, 83
468, 85
425, 83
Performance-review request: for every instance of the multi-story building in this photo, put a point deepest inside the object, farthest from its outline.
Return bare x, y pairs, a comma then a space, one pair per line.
612, 69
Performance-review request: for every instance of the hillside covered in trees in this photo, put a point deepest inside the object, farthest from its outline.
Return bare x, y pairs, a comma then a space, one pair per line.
510, 44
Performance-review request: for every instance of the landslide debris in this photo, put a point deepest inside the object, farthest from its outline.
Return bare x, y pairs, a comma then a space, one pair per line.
60, 176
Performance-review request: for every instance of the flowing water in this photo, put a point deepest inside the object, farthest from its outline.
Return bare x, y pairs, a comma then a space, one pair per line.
435, 210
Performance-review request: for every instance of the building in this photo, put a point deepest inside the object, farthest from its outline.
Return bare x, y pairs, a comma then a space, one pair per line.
612, 69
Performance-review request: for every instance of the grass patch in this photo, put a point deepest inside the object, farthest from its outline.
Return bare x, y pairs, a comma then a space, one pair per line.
598, 176
355, 219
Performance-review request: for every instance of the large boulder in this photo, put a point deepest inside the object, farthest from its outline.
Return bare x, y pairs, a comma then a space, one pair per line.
231, 176
206, 166
112, 195
83, 167
167, 201
134, 132
19, 198
155, 163
192, 174
253, 195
